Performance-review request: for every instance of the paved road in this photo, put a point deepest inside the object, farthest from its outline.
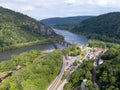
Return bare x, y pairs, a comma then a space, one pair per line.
68, 77
58, 78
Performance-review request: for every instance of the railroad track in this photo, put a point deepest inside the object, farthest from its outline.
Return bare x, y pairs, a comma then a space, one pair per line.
58, 78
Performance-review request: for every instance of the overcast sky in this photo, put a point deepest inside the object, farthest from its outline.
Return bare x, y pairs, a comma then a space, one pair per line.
41, 9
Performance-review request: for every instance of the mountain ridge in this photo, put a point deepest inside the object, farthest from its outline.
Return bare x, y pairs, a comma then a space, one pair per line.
16, 28
104, 27
64, 20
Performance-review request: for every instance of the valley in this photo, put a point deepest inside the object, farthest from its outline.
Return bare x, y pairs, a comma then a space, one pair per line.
59, 53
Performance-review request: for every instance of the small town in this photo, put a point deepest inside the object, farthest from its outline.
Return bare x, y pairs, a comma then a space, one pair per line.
70, 66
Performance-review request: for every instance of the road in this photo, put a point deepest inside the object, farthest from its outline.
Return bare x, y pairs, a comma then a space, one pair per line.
59, 76
88, 52
74, 69
68, 77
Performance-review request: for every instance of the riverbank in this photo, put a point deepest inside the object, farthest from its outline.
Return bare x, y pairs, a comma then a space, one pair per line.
42, 44
20, 45
100, 44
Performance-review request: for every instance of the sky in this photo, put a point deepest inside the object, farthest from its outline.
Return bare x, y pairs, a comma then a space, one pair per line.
41, 9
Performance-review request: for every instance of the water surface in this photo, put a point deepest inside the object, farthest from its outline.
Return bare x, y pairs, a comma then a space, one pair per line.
69, 37
72, 37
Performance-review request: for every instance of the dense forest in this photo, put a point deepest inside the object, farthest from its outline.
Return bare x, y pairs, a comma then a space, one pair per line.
64, 20
105, 27
100, 44
17, 29
36, 73
72, 50
66, 26
108, 74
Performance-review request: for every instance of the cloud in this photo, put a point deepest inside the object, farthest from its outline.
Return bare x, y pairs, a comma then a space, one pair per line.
105, 3
26, 8
40, 9
70, 1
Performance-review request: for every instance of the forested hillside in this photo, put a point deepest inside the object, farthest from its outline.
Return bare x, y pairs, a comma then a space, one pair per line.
108, 74
65, 20
104, 27
16, 28
30, 70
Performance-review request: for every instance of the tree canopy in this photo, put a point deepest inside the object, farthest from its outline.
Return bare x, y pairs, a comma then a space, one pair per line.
37, 71
16, 28
105, 27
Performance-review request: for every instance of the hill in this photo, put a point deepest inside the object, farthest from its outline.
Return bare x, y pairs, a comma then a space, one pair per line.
17, 30
64, 20
30, 70
105, 27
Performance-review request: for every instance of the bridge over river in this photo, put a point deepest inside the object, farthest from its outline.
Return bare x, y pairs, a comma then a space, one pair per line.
68, 36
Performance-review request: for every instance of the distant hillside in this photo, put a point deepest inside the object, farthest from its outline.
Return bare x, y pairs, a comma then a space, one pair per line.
17, 29
64, 20
104, 27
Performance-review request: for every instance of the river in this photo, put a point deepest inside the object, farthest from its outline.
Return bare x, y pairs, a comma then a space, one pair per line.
69, 37
72, 37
